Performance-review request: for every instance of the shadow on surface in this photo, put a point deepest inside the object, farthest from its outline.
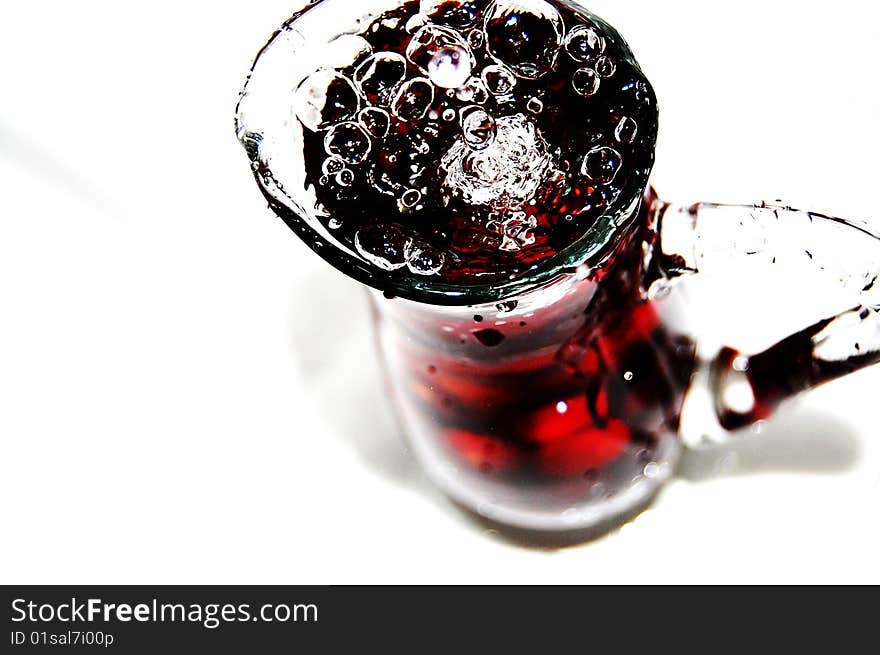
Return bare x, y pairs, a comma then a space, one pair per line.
333, 343
554, 540
796, 441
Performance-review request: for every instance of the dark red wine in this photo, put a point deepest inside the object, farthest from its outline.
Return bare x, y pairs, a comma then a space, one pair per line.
590, 382
477, 140
784, 370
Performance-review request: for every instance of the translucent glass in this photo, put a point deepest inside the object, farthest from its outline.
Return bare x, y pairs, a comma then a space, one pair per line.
315, 113
560, 409
552, 332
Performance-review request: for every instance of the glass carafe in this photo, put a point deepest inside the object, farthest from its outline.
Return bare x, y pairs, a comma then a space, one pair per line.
560, 408
559, 397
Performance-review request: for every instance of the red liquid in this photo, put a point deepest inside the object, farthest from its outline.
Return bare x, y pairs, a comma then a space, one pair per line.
588, 382
474, 241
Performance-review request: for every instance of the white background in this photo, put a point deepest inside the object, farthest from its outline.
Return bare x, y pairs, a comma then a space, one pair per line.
188, 395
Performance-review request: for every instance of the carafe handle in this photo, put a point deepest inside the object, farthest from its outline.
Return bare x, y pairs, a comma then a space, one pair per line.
739, 388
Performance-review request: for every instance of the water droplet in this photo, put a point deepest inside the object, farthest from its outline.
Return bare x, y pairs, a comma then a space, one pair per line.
332, 166
626, 130
422, 259
323, 98
585, 81
535, 106
459, 13
628, 376
601, 164
376, 121
499, 79
443, 54
524, 34
478, 128
413, 99
348, 141
345, 177
378, 75
489, 337
605, 66
382, 246
584, 43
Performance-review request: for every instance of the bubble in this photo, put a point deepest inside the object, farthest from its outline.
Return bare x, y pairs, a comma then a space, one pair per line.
477, 127
348, 141
508, 172
535, 106
384, 246
413, 99
626, 130
585, 81
443, 54
448, 114
459, 13
411, 198
421, 146
449, 68
323, 98
605, 66
515, 230
398, 164
422, 259
583, 43
332, 166
475, 39
376, 121
524, 34
415, 23
474, 90
345, 177
653, 470
345, 50
333, 224
601, 164
507, 306
378, 75
499, 79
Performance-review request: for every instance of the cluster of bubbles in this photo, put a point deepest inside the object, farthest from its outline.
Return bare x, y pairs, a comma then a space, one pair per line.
390, 249
497, 161
506, 166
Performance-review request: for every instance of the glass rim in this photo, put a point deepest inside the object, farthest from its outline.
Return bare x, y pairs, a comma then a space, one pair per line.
590, 249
